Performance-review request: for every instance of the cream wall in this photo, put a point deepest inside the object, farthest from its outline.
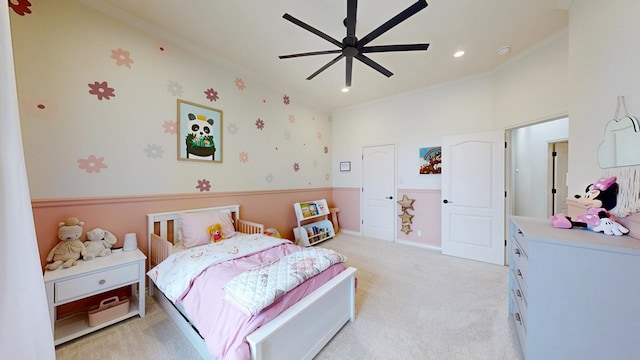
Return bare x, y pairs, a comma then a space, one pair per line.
63, 46
603, 56
515, 94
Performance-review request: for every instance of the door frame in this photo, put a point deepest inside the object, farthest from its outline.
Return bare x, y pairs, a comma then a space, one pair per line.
395, 186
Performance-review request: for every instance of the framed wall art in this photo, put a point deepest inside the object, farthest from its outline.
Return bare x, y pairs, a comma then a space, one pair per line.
199, 132
431, 160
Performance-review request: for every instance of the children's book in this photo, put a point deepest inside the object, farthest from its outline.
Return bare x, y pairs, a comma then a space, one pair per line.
304, 208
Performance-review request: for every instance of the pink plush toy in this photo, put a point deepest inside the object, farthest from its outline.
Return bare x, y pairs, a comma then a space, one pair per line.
600, 197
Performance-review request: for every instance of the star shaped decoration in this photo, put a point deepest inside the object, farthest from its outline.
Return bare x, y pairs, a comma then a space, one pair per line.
406, 229
406, 203
406, 217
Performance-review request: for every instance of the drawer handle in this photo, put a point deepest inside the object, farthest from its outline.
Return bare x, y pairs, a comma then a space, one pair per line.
519, 273
519, 293
519, 232
517, 252
517, 316
102, 281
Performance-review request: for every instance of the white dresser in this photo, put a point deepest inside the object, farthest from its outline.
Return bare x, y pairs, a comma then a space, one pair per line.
90, 278
573, 293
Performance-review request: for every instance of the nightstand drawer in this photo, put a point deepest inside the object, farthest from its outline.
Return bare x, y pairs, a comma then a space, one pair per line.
96, 283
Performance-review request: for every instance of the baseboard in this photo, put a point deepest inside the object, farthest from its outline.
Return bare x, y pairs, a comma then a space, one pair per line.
424, 246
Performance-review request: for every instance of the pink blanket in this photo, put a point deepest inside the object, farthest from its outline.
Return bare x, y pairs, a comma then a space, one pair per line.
221, 324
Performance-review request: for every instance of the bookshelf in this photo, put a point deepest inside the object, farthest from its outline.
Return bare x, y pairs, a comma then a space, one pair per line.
314, 225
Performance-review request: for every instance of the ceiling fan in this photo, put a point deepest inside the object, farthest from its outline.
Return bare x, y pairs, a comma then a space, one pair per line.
351, 47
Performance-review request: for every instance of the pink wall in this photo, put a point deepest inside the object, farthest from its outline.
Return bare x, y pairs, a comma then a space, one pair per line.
426, 217
348, 200
127, 214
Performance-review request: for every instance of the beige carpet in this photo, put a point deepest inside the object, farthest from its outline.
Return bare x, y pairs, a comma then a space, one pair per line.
412, 303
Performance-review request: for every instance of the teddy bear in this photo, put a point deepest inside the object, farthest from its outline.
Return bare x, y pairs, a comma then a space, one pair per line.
99, 243
67, 252
600, 197
215, 231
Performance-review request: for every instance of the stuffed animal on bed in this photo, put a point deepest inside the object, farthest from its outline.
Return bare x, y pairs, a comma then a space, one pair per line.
600, 197
215, 231
99, 243
67, 252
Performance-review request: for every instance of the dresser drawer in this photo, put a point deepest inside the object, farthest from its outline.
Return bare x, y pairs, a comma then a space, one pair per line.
520, 263
519, 298
521, 331
96, 283
521, 239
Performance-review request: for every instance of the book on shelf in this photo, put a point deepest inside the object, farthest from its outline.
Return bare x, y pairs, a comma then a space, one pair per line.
321, 208
304, 209
313, 208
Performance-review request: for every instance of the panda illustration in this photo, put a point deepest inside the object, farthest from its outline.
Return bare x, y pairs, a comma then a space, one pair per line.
199, 140
200, 126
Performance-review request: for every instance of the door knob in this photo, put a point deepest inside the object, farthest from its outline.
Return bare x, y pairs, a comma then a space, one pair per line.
389, 197
445, 201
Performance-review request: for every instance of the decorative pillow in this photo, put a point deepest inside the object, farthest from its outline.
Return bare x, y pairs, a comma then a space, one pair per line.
193, 227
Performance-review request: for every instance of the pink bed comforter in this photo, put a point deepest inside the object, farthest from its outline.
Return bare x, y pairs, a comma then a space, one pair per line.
222, 325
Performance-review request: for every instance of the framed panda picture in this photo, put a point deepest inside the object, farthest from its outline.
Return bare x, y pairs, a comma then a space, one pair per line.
199, 132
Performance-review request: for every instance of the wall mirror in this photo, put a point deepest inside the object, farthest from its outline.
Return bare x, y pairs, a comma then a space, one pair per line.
621, 143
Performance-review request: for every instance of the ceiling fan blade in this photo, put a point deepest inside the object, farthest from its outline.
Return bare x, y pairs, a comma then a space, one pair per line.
384, 48
374, 65
404, 15
313, 30
350, 21
349, 71
326, 66
310, 53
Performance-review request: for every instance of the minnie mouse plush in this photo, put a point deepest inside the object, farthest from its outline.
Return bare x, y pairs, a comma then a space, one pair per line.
600, 197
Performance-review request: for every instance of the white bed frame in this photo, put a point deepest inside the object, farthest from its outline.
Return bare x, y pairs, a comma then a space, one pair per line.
299, 332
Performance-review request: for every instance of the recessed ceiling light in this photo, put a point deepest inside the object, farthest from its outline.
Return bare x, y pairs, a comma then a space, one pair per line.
458, 53
504, 50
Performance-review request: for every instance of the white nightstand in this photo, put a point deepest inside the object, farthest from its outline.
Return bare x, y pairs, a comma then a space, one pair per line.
91, 278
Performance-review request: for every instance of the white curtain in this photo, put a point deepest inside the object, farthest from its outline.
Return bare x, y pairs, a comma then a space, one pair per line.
25, 329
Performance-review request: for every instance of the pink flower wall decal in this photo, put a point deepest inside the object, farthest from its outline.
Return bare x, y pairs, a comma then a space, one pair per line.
326, 149
244, 157
260, 124
21, 7
203, 185
212, 95
240, 84
296, 167
170, 127
101, 90
122, 57
92, 164
292, 119
286, 99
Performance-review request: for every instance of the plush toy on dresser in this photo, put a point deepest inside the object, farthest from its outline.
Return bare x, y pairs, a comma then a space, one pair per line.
67, 252
99, 243
600, 197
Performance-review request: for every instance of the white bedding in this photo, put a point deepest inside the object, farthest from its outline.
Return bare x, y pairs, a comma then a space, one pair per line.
257, 288
175, 274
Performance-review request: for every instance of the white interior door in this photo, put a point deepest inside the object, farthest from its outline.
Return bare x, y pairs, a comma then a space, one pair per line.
473, 196
378, 192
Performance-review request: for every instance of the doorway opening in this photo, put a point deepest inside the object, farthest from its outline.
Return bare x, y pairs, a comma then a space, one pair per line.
536, 178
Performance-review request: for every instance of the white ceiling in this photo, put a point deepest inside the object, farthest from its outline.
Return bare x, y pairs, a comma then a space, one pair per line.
252, 34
